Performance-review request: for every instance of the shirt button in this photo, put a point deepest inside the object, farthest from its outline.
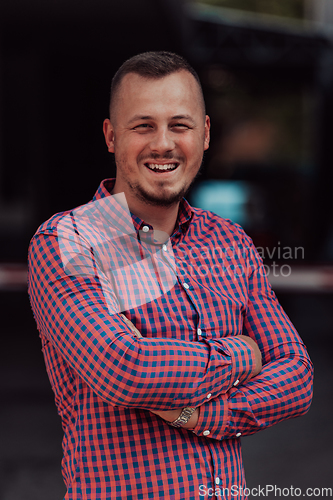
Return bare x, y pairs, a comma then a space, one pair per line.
209, 395
217, 480
206, 433
236, 383
199, 332
145, 229
238, 434
165, 248
186, 286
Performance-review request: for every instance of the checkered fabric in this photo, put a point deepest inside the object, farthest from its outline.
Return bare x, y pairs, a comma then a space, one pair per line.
189, 299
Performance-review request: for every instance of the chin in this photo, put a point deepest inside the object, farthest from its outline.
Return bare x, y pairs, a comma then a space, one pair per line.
162, 200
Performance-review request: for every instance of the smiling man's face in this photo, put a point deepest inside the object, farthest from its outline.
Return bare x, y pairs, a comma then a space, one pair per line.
158, 133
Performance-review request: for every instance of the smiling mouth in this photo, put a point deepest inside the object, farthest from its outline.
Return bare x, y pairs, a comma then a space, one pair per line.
156, 167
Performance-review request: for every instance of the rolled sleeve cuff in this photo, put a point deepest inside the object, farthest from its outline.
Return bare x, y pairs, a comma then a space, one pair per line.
243, 360
213, 418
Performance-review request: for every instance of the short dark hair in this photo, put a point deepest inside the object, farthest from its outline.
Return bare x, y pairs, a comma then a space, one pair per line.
152, 65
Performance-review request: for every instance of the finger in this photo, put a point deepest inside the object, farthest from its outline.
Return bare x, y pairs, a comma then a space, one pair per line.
132, 327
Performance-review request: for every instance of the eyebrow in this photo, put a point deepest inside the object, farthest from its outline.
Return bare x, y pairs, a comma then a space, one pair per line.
183, 117
148, 117
140, 117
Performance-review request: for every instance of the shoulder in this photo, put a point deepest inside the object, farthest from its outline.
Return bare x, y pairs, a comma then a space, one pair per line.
222, 236
59, 220
50, 225
209, 224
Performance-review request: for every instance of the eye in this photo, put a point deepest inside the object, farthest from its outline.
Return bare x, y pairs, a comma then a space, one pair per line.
142, 126
180, 126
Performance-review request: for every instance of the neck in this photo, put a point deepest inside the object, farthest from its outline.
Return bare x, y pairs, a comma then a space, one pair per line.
161, 218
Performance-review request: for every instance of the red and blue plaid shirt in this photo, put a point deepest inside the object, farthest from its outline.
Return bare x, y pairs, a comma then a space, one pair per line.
190, 298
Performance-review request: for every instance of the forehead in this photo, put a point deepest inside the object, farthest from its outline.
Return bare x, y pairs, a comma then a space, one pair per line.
176, 93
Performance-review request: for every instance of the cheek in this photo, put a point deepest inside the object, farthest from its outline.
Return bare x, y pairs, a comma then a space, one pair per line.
194, 154
135, 147
127, 150
192, 146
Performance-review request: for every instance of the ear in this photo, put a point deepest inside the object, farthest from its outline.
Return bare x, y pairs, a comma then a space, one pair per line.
207, 133
109, 135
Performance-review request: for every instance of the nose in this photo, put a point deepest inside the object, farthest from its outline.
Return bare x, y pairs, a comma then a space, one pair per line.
162, 141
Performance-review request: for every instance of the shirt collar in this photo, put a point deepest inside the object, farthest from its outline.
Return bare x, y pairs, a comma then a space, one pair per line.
185, 212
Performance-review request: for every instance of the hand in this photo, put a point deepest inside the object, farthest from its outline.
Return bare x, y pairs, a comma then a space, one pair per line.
171, 415
252, 343
132, 327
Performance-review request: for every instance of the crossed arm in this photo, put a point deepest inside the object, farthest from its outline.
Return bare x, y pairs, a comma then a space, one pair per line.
71, 313
279, 388
171, 415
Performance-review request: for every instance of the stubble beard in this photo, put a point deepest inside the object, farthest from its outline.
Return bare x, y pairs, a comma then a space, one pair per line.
155, 200
163, 199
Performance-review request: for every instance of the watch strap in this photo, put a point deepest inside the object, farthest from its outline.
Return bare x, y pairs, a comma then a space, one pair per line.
184, 417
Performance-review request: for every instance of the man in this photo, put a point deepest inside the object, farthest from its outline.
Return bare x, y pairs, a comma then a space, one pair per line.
154, 315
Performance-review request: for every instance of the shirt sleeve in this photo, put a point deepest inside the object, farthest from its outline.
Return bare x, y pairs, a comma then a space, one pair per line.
72, 311
283, 389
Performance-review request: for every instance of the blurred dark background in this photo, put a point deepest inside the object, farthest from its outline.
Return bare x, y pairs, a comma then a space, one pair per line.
267, 73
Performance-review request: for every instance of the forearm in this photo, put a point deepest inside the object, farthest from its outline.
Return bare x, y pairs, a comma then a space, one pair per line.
282, 390
172, 415
145, 373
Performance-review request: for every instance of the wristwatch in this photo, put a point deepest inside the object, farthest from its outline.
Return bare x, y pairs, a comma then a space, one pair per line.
184, 417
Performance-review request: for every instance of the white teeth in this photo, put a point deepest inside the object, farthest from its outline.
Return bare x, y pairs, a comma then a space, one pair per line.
156, 166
